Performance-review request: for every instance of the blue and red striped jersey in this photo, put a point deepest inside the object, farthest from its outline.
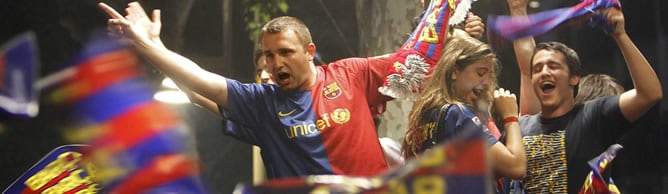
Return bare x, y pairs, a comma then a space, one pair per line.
327, 129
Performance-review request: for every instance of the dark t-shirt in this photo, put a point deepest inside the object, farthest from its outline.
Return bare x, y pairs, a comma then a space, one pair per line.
558, 148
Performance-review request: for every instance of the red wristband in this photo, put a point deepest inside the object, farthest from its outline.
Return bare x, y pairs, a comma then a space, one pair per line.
510, 119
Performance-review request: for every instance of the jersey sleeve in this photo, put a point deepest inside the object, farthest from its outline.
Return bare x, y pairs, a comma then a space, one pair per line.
376, 77
487, 134
458, 120
370, 74
613, 122
246, 105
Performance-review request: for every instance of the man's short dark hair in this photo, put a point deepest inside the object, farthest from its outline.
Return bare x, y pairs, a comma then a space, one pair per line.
279, 24
571, 57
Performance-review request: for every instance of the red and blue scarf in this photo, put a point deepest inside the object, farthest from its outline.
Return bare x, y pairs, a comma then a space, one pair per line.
515, 27
417, 57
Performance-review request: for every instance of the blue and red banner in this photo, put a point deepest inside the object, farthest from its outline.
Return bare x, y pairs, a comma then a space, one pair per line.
459, 166
595, 183
137, 144
19, 63
63, 170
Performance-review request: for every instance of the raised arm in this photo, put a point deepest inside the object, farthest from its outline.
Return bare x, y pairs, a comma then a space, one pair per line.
509, 159
524, 47
134, 28
154, 26
647, 87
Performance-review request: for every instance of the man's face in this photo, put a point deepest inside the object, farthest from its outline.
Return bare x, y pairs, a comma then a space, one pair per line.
473, 81
288, 62
551, 81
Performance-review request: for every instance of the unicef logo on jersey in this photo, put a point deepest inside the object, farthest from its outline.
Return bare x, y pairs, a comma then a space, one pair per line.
339, 116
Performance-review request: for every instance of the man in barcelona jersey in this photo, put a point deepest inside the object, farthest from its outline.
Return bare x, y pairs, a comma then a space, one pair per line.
313, 120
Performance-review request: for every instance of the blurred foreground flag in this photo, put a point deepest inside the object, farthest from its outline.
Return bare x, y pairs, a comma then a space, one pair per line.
62, 170
137, 144
459, 166
515, 27
595, 183
18, 70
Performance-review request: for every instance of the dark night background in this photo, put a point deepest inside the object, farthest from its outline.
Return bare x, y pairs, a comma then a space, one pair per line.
196, 29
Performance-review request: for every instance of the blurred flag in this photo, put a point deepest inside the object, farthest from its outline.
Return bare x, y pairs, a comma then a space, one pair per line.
595, 183
18, 69
515, 27
62, 170
137, 144
414, 61
459, 166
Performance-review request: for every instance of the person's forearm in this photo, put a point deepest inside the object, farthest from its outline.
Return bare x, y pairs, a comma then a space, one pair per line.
516, 147
520, 10
182, 70
524, 47
645, 80
514, 139
529, 103
158, 42
647, 88
201, 101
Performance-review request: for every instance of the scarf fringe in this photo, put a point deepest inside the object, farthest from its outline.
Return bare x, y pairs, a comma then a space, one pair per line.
409, 84
461, 12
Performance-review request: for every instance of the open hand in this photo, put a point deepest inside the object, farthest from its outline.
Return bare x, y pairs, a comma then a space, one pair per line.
136, 25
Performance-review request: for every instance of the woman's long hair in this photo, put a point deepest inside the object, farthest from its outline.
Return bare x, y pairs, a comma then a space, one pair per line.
458, 53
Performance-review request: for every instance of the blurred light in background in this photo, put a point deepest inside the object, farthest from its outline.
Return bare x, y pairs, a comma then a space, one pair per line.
534, 4
168, 83
170, 93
